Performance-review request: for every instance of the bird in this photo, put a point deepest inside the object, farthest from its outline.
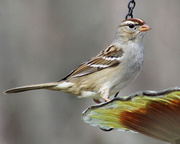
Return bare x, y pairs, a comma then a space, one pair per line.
108, 72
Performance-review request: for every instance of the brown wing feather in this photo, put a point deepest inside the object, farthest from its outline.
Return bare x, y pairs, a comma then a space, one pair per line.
83, 70
98, 63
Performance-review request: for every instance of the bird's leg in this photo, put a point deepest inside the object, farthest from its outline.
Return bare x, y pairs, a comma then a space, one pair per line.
106, 99
98, 101
105, 95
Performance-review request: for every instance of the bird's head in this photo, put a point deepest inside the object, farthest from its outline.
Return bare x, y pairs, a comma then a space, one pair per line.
132, 30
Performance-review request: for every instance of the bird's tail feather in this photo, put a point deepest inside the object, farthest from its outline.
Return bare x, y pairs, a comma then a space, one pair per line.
31, 87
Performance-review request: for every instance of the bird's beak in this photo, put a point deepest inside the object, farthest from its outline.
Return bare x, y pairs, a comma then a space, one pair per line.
144, 27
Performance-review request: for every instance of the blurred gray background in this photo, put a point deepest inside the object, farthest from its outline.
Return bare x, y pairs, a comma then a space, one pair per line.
43, 40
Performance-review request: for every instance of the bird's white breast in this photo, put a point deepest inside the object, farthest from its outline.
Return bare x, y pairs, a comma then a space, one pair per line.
129, 68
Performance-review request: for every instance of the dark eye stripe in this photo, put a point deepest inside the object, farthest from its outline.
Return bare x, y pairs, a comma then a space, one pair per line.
128, 25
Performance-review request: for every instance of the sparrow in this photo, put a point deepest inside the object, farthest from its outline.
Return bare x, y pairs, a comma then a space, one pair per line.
108, 72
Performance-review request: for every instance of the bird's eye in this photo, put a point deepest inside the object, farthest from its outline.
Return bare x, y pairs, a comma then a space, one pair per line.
131, 25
